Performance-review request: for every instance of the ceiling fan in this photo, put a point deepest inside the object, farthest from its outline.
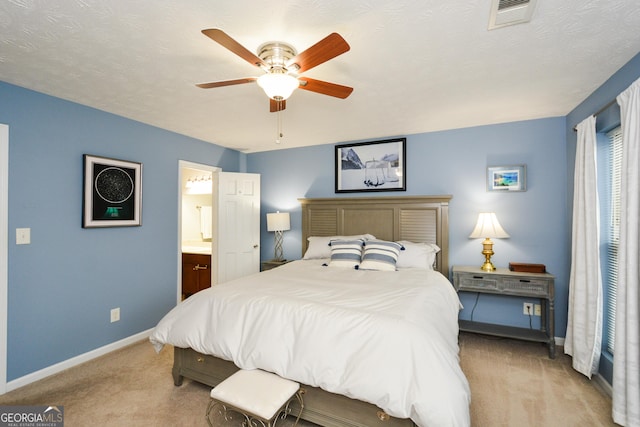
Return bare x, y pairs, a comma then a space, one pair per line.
282, 66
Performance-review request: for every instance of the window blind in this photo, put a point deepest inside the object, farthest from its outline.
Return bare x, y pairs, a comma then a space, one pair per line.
615, 179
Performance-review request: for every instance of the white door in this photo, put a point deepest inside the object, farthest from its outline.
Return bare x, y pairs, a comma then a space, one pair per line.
237, 225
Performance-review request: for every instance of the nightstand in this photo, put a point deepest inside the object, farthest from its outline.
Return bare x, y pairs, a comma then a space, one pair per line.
510, 283
272, 263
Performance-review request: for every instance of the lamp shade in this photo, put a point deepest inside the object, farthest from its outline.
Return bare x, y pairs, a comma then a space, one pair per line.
488, 226
278, 221
278, 86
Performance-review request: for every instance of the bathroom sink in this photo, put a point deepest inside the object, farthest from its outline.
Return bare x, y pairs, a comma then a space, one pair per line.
190, 249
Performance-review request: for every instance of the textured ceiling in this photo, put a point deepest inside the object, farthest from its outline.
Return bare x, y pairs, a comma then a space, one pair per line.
415, 65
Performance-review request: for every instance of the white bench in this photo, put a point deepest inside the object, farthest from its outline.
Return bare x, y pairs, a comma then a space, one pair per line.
259, 396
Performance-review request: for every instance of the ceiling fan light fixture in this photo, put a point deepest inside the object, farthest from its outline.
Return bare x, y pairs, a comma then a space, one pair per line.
282, 64
278, 86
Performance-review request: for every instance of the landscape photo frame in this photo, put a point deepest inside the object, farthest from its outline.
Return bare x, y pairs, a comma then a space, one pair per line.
507, 178
112, 194
371, 166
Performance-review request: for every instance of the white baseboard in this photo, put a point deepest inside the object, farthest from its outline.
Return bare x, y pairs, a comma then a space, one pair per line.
596, 378
74, 361
606, 387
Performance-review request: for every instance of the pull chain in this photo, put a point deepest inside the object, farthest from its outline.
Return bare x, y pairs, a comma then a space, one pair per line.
279, 125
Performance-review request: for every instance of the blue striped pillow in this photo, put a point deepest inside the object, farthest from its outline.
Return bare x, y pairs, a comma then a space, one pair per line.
346, 253
380, 255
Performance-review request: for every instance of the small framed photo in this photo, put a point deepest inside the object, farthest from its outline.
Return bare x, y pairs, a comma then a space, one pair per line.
112, 193
371, 166
507, 178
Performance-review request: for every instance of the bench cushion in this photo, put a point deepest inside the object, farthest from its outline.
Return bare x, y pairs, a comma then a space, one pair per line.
256, 392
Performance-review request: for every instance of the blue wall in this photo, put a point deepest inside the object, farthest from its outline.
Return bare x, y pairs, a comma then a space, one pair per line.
63, 285
454, 162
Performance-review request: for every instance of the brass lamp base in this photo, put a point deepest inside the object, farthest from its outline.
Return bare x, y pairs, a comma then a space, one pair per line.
488, 266
487, 251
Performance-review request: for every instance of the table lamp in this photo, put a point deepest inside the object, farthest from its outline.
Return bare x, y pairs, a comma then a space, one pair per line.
488, 227
278, 222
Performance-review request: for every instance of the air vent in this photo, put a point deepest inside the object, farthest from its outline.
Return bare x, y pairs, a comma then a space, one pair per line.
506, 4
510, 12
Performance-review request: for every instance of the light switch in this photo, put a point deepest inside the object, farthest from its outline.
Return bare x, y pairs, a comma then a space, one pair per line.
23, 236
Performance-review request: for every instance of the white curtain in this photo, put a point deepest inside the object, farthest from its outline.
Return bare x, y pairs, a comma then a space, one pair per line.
584, 325
626, 372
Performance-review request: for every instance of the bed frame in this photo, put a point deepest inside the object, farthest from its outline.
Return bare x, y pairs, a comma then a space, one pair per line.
413, 218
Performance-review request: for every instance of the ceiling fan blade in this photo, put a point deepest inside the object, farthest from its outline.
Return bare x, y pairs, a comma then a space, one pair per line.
326, 49
226, 83
325, 88
225, 40
275, 106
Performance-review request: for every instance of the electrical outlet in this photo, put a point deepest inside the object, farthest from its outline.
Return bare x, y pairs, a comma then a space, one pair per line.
115, 314
537, 310
23, 236
527, 309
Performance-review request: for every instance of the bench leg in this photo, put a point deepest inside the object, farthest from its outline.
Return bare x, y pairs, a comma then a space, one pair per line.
228, 414
251, 421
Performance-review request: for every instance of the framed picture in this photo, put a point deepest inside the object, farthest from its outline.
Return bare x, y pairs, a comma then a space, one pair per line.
371, 166
507, 178
112, 193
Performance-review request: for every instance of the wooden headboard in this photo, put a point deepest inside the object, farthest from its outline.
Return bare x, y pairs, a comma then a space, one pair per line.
413, 218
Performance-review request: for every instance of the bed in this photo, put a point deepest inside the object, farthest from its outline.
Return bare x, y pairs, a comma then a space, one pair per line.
353, 338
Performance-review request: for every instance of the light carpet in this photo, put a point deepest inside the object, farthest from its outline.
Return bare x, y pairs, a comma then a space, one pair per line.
513, 383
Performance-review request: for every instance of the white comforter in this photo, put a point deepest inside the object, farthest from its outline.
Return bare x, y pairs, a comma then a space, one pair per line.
388, 338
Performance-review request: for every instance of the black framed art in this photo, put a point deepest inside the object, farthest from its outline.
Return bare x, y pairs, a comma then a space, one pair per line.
112, 193
371, 166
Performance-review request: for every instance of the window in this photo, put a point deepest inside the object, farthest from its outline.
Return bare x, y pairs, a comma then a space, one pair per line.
613, 236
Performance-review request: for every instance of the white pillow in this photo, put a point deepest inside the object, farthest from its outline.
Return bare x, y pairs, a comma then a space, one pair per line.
380, 255
318, 246
346, 253
417, 255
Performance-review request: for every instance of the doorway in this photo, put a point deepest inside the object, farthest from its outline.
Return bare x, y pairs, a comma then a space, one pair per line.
195, 206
